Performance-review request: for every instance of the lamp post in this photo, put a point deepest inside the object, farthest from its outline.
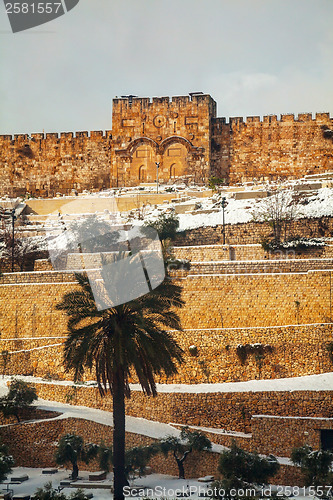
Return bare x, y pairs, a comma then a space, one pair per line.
157, 163
6, 214
224, 204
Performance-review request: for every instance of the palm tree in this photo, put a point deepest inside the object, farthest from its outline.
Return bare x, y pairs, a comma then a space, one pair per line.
117, 342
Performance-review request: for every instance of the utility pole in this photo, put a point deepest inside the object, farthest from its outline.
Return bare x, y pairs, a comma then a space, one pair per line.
224, 204
157, 163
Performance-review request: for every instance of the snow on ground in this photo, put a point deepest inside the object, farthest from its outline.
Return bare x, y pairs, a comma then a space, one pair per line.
208, 210
153, 486
156, 482
240, 211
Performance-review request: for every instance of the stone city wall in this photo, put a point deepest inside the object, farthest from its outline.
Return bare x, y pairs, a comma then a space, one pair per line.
182, 133
243, 150
43, 165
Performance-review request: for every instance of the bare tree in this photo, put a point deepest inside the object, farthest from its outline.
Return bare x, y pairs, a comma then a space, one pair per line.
278, 210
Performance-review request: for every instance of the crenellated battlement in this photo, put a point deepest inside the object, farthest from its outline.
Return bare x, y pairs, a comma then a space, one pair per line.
39, 136
131, 104
268, 119
196, 143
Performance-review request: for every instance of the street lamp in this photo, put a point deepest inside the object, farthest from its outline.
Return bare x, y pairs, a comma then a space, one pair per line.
6, 214
224, 204
157, 163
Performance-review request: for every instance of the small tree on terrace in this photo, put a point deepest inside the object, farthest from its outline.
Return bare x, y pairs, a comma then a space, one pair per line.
182, 446
316, 465
71, 449
20, 397
278, 210
136, 459
244, 470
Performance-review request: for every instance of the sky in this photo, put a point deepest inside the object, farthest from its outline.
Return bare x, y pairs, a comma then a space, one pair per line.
254, 57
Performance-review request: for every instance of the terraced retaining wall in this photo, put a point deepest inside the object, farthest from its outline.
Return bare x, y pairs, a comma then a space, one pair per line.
210, 355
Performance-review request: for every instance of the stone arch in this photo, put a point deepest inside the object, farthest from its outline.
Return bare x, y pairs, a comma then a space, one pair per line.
142, 166
175, 139
174, 159
140, 142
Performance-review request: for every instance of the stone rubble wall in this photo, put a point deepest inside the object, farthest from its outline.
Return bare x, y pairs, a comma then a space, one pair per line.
33, 444
231, 411
253, 232
296, 351
282, 434
207, 253
268, 266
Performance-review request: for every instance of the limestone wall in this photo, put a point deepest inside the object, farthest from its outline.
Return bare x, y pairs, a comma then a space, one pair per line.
33, 444
222, 410
285, 433
263, 266
245, 300
239, 300
206, 253
47, 164
271, 148
296, 350
254, 233
182, 133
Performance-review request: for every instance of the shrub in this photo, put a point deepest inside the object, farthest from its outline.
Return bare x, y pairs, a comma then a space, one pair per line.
166, 225
50, 493
6, 463
244, 470
316, 465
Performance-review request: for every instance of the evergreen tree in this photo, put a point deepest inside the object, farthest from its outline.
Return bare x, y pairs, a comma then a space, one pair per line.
20, 397
243, 470
316, 465
183, 445
6, 462
71, 449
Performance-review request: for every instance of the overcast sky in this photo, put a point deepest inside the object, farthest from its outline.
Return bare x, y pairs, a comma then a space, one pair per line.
254, 57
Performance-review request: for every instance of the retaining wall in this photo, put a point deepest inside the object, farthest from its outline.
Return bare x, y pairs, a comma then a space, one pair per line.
223, 410
296, 350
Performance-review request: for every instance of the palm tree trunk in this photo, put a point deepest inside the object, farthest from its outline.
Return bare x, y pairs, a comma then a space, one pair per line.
119, 480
